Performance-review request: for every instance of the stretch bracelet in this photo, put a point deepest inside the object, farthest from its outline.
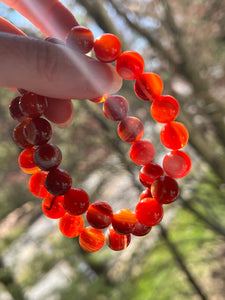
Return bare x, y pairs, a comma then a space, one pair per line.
41, 159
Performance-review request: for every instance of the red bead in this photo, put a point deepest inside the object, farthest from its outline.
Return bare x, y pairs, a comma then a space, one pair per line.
142, 152
47, 156
165, 189
130, 65
55, 114
76, 201
91, 239
107, 47
18, 135
37, 185
99, 215
32, 105
145, 194
26, 161
174, 135
15, 111
177, 164
149, 173
80, 39
123, 221
52, 207
165, 109
148, 86
130, 129
140, 229
58, 182
71, 226
149, 212
99, 99
116, 241
116, 108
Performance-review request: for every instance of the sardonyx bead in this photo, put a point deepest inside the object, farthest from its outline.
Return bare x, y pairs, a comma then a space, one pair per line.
99, 215
149, 173
71, 226
117, 241
123, 221
130, 129
116, 107
37, 131
15, 111
165, 189
18, 135
142, 152
91, 239
177, 164
165, 109
174, 135
52, 207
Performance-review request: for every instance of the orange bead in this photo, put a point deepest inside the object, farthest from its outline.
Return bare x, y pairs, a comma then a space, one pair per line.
123, 221
26, 161
71, 226
37, 185
130, 65
165, 109
116, 241
142, 152
174, 135
107, 47
91, 239
130, 129
52, 207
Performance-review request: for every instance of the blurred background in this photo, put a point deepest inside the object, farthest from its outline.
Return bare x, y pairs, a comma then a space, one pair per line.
184, 257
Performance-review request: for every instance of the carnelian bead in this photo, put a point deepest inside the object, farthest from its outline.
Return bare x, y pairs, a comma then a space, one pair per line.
116, 108
71, 226
80, 39
130, 65
37, 185
26, 161
142, 152
174, 135
107, 47
165, 109
177, 164
99, 215
145, 194
76, 201
130, 129
148, 86
140, 229
15, 111
52, 207
116, 241
47, 156
32, 105
149, 212
165, 189
19, 137
58, 182
149, 173
91, 239
123, 221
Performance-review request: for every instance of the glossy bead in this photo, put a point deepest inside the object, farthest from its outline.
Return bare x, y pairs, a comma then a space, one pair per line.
123, 221
58, 182
99, 215
37, 131
32, 105
15, 111
18, 135
37, 185
116, 241
116, 108
174, 135
130, 65
142, 152
107, 47
149, 212
165, 109
130, 129
148, 86
80, 39
26, 161
165, 189
76, 201
91, 239
55, 114
149, 173
99, 99
47, 156
52, 207
145, 194
71, 226
140, 229
177, 164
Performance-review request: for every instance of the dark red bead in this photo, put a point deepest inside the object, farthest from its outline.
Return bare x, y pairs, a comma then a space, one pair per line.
149, 173
99, 215
148, 86
15, 111
47, 156
116, 107
52, 207
76, 201
123, 221
107, 47
19, 137
174, 135
165, 189
32, 105
37, 131
140, 229
130, 65
130, 129
177, 164
80, 39
165, 109
116, 241
58, 182
142, 152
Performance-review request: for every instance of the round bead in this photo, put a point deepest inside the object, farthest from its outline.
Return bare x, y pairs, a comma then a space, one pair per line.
32, 105
116, 108
116, 241
148, 86
130, 129
142, 152
140, 229
149, 173
80, 39
58, 182
15, 111
123, 221
91, 239
71, 226
174, 135
99, 215
37, 131
37, 185
177, 164
165, 189
26, 161
76, 201
165, 109
107, 47
145, 194
130, 65
19, 137
47, 157
149, 212
52, 207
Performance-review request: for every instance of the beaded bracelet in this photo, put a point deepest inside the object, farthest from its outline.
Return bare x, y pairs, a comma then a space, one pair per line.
42, 159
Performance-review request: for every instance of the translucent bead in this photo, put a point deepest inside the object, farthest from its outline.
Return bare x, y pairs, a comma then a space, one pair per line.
149, 173
99, 215
130, 65
19, 137
140, 229
58, 182
145, 194
142, 152
165, 189
80, 39
15, 111
71, 226
174, 135
130, 129
107, 47
116, 241
76, 201
116, 108
123, 221
52, 207
32, 105
148, 86
37, 185
177, 164
47, 156
91, 239
26, 161
165, 109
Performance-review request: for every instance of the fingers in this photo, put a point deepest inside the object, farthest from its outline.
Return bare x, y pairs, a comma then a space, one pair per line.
53, 70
